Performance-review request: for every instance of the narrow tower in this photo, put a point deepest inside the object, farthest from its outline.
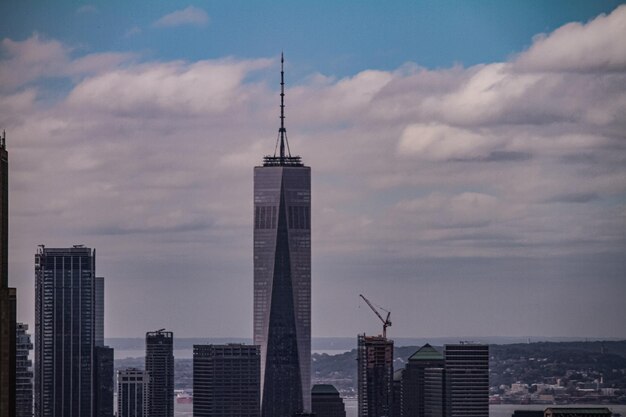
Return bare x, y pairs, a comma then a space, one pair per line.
282, 276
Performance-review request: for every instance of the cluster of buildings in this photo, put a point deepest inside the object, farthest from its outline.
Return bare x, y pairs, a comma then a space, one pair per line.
560, 392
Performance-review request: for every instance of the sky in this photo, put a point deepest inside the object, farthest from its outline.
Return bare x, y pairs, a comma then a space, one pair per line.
468, 158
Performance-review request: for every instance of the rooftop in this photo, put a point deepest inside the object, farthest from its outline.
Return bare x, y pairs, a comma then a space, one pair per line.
426, 353
324, 389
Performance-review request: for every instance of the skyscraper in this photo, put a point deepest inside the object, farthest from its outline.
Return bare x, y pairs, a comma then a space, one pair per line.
99, 312
104, 381
160, 368
282, 277
226, 381
375, 376
24, 373
132, 393
414, 382
467, 380
64, 331
8, 296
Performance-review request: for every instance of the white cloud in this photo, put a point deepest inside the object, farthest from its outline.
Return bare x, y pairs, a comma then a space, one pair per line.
188, 16
595, 46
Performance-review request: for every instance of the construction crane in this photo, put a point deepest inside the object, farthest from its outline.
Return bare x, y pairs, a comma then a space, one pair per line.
386, 321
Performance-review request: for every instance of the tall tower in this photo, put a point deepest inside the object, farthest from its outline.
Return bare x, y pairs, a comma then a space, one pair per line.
160, 367
282, 276
132, 393
64, 331
375, 376
8, 296
467, 380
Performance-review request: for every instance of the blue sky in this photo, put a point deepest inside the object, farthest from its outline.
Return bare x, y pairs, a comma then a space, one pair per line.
468, 158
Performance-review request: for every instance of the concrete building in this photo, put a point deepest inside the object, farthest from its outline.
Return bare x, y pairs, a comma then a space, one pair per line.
282, 279
326, 401
414, 380
24, 372
132, 393
160, 367
226, 381
8, 296
467, 380
375, 376
64, 331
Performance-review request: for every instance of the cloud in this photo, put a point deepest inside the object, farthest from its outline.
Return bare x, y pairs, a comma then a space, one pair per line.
190, 15
595, 46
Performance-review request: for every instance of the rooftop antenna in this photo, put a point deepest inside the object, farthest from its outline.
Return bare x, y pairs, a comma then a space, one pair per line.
282, 131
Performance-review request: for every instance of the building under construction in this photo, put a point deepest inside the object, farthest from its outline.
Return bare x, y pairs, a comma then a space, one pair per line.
375, 376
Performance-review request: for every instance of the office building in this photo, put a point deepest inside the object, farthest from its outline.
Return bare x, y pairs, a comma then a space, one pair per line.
24, 372
226, 381
64, 331
104, 381
375, 376
528, 413
467, 380
413, 380
99, 312
435, 392
8, 296
326, 401
132, 393
282, 278
396, 409
160, 367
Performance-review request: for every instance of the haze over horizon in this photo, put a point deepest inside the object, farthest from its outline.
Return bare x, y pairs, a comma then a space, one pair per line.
468, 161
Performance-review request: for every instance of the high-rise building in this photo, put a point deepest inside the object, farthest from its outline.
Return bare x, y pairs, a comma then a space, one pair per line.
578, 412
326, 401
413, 379
396, 409
8, 296
434, 392
64, 331
282, 278
24, 373
375, 376
226, 381
104, 381
467, 380
132, 393
160, 367
99, 312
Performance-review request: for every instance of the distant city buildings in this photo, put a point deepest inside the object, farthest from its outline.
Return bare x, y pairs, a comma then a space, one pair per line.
326, 402
282, 278
375, 376
24, 373
8, 296
72, 377
226, 381
132, 393
160, 367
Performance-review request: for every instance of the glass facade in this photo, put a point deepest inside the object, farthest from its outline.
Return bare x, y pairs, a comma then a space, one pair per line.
282, 286
160, 368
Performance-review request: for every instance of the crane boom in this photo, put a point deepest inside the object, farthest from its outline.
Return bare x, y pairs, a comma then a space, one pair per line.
386, 321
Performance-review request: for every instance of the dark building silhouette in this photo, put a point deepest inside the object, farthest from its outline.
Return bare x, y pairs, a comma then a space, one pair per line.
282, 278
24, 373
8, 296
467, 380
435, 392
375, 376
64, 332
132, 393
414, 380
226, 381
527, 413
160, 368
577, 412
396, 409
326, 401
99, 312
104, 381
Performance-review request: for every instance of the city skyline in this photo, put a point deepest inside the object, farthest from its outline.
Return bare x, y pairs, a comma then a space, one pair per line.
486, 190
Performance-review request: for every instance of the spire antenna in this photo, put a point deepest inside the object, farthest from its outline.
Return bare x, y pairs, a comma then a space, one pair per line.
282, 131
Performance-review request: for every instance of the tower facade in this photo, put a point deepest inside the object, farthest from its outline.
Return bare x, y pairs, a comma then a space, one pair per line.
8, 296
326, 401
226, 381
160, 368
24, 373
282, 278
132, 393
375, 376
467, 380
64, 331
414, 383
